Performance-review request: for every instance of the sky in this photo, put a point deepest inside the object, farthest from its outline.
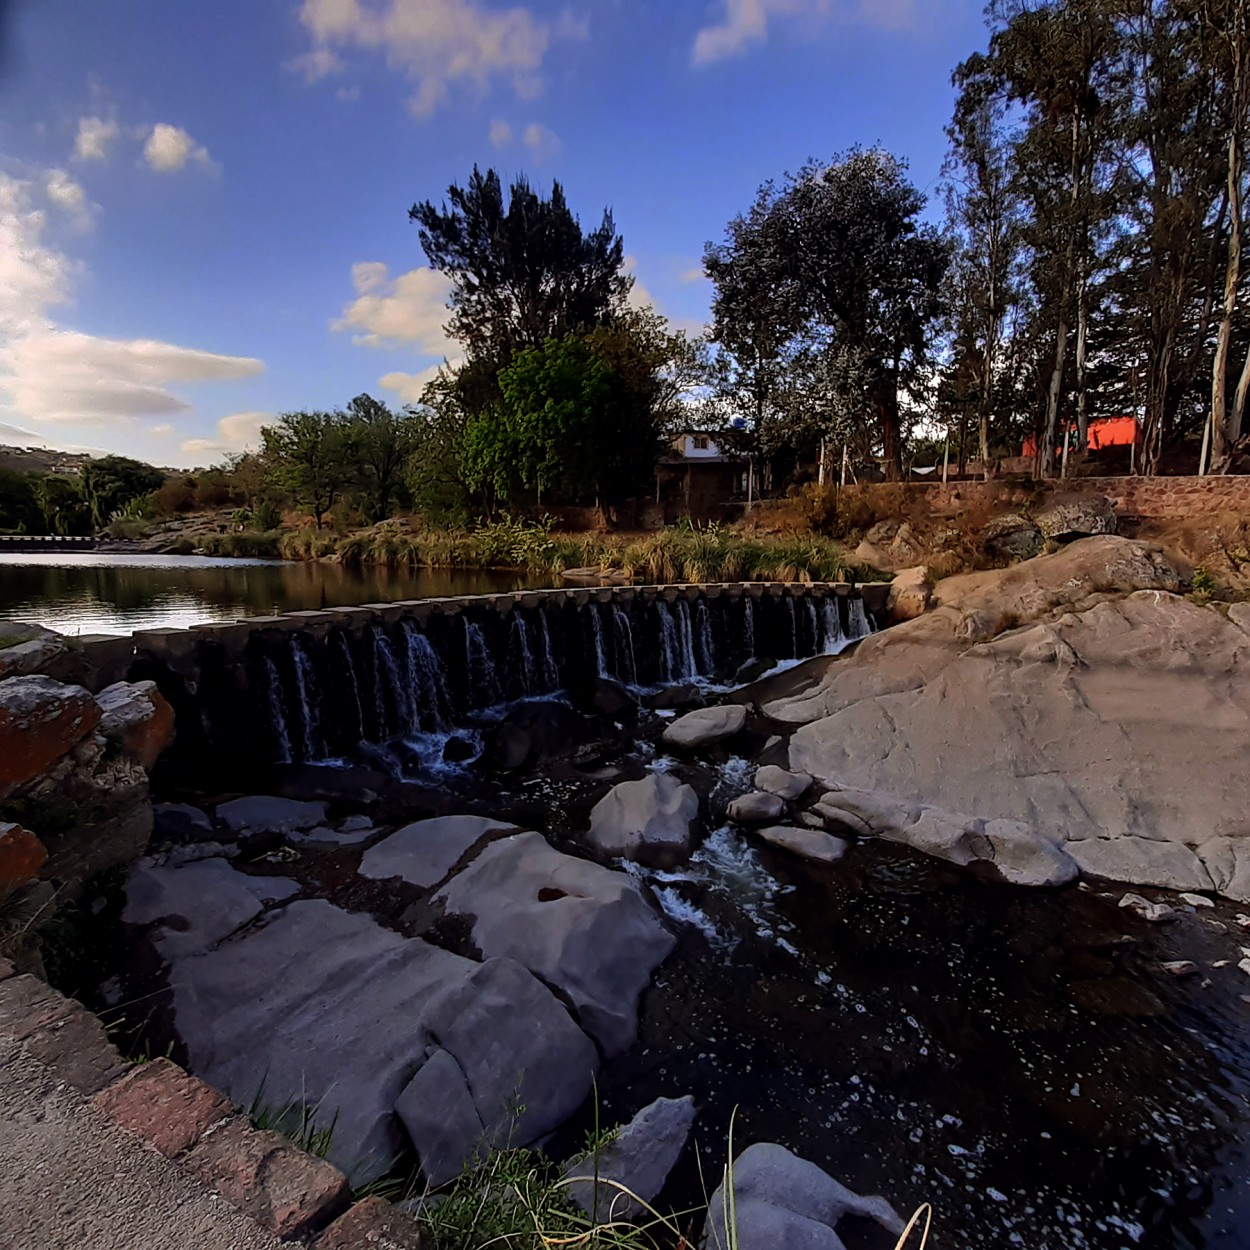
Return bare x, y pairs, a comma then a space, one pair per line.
204, 207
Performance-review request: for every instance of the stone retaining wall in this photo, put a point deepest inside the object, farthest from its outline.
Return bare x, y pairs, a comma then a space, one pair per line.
294, 1195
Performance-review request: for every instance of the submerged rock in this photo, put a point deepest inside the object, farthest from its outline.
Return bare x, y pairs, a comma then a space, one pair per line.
652, 820
582, 928
705, 727
638, 1159
780, 1200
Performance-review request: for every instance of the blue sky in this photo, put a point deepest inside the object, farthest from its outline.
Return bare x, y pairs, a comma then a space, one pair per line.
203, 207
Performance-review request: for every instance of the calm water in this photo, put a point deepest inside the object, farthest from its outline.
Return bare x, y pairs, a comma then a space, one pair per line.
96, 592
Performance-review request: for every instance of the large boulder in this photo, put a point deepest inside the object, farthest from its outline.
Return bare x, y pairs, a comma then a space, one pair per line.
756, 808
782, 1200
138, 716
1078, 517
910, 594
424, 852
1012, 537
653, 820
583, 929
41, 721
787, 785
540, 732
632, 1168
705, 727
27, 649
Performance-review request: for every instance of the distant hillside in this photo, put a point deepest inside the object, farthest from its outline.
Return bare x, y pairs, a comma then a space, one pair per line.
41, 459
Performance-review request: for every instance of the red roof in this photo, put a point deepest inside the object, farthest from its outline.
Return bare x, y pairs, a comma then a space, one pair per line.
1103, 432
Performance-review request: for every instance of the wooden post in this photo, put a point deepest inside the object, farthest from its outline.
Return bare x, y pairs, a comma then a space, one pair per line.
946, 457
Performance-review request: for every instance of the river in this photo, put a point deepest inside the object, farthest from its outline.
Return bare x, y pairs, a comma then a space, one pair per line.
107, 593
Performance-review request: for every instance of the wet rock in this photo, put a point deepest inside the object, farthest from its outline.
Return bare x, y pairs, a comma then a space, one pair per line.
653, 820
583, 929
789, 786
811, 844
537, 733
456, 750
1143, 861
910, 594
675, 698
752, 670
180, 822
755, 809
424, 853
782, 1200
638, 1159
1077, 518
138, 716
41, 721
1197, 900
613, 700
21, 857
270, 814
705, 727
1155, 913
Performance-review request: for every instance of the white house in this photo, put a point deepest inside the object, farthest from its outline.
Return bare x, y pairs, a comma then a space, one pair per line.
696, 445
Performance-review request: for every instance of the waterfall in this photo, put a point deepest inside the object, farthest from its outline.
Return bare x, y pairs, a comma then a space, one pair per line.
669, 661
306, 688
794, 628
277, 716
858, 624
748, 627
520, 660
550, 673
596, 626
813, 625
350, 665
832, 626
430, 705
623, 646
482, 684
390, 682
685, 642
705, 647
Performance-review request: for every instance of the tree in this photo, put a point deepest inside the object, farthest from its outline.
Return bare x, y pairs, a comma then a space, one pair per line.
62, 508
19, 508
111, 482
310, 454
382, 441
522, 272
436, 475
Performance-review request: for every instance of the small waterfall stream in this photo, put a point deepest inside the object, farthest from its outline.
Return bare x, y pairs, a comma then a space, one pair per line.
429, 682
623, 647
858, 626
309, 700
483, 684
832, 638
277, 714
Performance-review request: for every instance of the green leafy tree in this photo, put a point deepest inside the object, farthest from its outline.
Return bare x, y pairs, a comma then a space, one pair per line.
19, 507
436, 475
62, 507
382, 441
311, 458
111, 482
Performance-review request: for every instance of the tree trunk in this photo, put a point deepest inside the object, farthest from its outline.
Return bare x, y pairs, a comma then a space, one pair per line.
1222, 436
1047, 466
1082, 333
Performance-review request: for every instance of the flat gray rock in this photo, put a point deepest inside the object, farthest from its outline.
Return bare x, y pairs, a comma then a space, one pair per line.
638, 1159
755, 809
812, 844
789, 786
180, 822
582, 928
424, 852
1143, 861
437, 1109
706, 726
264, 813
652, 820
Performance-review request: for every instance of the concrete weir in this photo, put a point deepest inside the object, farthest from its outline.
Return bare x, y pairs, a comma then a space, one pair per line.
310, 685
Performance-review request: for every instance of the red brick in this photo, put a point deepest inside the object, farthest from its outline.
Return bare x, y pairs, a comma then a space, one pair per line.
161, 1103
371, 1225
291, 1193
21, 856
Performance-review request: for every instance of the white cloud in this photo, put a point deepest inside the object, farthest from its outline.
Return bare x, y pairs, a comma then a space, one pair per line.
169, 148
239, 431
746, 22
69, 197
500, 133
93, 138
409, 386
52, 374
542, 142
164, 429
410, 308
438, 43
317, 64
693, 274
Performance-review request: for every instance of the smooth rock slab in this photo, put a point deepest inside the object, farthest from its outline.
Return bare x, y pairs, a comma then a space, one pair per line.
264, 813
1143, 861
638, 1159
811, 844
705, 727
424, 852
579, 926
755, 809
789, 786
180, 822
652, 820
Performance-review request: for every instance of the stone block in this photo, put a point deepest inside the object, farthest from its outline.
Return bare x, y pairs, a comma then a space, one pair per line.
291, 1193
371, 1225
21, 856
167, 1107
40, 721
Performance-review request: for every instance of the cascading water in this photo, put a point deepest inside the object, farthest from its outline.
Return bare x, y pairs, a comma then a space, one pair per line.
670, 660
521, 665
685, 643
858, 624
794, 628
547, 661
705, 646
391, 692
309, 699
349, 666
483, 685
623, 647
277, 715
748, 626
832, 637
812, 622
431, 706
596, 629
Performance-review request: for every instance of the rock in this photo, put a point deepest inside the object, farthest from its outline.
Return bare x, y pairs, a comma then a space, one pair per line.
653, 820
1013, 850
270, 814
41, 721
1227, 859
675, 698
706, 726
21, 857
1179, 967
423, 853
456, 750
325, 1008
27, 649
889, 545
638, 1159
781, 1200
1077, 518
812, 844
1143, 861
613, 700
751, 671
910, 593
1012, 537
1196, 900
755, 809
583, 929
180, 822
1155, 913
437, 1109
537, 733
789, 786
138, 716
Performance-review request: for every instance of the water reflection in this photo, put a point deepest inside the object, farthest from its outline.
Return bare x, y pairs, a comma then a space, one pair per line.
95, 592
